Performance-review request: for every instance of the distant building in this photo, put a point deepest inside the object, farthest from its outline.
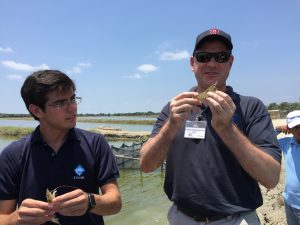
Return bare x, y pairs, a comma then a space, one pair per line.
275, 113
278, 113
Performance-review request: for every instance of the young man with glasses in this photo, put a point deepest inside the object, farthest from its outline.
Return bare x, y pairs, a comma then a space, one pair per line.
217, 147
290, 146
55, 173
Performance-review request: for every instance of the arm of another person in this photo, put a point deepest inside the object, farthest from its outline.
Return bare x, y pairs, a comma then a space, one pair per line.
283, 128
258, 164
154, 151
30, 212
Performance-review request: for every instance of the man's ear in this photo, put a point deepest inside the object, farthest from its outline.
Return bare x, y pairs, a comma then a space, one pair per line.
192, 63
35, 110
231, 60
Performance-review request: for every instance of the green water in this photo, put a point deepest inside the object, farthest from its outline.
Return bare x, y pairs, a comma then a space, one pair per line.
144, 202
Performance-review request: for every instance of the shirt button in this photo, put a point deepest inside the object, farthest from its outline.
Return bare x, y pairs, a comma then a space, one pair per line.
53, 154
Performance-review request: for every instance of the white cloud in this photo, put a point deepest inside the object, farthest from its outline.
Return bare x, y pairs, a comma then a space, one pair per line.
14, 77
147, 68
84, 64
6, 50
24, 67
78, 68
135, 76
143, 69
172, 56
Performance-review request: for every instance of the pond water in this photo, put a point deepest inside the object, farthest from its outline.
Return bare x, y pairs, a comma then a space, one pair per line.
119, 118
33, 123
144, 202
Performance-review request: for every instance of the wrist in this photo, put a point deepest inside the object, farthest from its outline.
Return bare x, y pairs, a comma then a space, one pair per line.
229, 129
91, 201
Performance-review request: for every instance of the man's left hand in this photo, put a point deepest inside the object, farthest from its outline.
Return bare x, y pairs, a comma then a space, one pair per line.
222, 108
74, 203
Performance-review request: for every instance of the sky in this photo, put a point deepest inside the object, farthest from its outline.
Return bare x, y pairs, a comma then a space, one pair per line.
133, 55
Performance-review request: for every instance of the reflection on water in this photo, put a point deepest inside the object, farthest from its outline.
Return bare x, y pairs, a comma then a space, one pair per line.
144, 202
18, 123
4, 141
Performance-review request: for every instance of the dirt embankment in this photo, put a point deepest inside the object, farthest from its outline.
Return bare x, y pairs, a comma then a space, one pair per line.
272, 211
118, 134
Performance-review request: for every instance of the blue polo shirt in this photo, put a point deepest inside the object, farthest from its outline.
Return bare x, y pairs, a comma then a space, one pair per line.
203, 177
291, 151
29, 166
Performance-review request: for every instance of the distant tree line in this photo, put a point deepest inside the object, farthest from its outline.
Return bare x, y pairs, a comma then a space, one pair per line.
149, 113
144, 114
284, 106
13, 115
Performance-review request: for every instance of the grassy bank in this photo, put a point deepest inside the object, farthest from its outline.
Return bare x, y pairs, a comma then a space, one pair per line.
110, 135
15, 131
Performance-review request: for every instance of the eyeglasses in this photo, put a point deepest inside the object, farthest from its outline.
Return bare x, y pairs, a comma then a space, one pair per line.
220, 57
65, 103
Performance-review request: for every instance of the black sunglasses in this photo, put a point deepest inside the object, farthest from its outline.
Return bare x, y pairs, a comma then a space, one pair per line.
220, 57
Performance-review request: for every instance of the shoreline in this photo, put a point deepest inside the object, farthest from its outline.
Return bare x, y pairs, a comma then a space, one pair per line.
111, 134
108, 132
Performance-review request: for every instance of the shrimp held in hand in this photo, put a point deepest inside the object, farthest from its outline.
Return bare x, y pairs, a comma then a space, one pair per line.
201, 96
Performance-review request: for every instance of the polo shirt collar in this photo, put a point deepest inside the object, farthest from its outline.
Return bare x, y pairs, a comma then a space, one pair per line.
37, 137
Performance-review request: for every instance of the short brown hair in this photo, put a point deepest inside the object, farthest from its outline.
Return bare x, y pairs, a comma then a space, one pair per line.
40, 83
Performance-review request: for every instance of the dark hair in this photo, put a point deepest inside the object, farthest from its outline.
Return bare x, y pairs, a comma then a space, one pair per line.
40, 83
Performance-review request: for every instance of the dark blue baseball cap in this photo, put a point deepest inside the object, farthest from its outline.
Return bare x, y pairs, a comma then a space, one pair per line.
213, 34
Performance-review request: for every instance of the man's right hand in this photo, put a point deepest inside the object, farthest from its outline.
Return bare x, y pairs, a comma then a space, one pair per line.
180, 108
34, 212
153, 152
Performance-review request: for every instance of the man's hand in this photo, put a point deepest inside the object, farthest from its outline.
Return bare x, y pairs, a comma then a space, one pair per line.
283, 128
180, 108
222, 108
34, 212
74, 203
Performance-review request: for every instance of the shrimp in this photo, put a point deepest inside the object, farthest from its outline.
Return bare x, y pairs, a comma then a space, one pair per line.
201, 96
50, 196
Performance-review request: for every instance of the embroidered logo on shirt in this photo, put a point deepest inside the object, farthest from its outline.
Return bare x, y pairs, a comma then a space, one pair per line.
79, 170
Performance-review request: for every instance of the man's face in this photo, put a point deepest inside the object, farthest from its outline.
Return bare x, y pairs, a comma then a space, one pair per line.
211, 72
296, 132
60, 111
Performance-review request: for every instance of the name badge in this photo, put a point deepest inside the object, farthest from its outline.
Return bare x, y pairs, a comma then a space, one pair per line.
195, 129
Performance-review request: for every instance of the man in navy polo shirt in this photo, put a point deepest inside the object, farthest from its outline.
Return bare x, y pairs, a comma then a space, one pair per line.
218, 145
67, 163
